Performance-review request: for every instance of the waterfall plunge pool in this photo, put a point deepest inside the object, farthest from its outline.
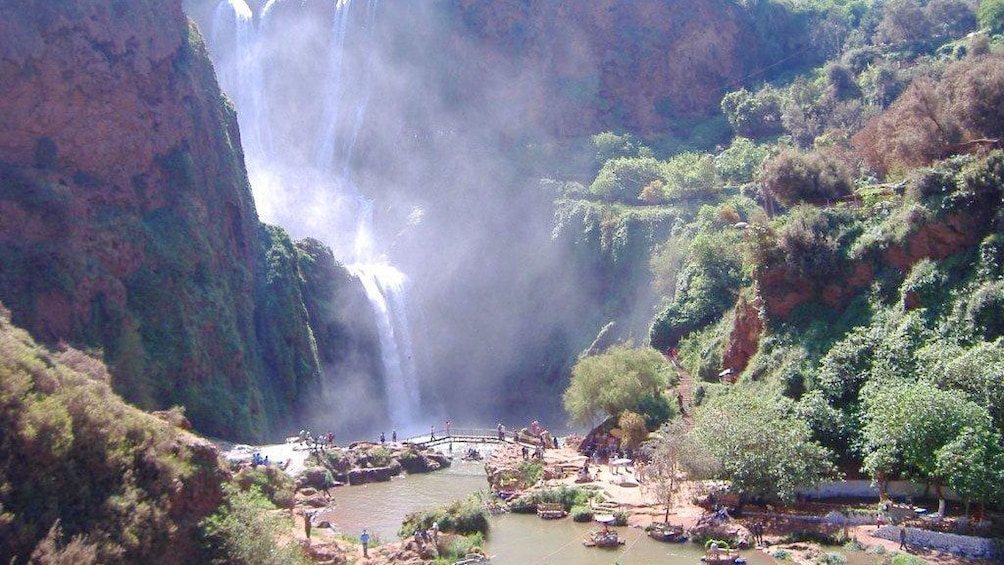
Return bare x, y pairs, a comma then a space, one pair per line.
518, 539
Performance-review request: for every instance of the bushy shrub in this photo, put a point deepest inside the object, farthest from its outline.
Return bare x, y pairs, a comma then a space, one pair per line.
581, 513
621, 518
623, 178
270, 481
830, 558
794, 177
243, 531
985, 310
464, 517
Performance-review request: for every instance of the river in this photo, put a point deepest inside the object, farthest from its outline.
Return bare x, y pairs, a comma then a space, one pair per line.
516, 539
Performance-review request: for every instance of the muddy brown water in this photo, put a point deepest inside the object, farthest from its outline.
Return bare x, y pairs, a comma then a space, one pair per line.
516, 539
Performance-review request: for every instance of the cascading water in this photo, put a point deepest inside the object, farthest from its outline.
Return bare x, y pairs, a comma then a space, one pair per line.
274, 166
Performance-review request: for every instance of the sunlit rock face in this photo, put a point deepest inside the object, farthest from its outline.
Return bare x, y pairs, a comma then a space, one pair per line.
127, 223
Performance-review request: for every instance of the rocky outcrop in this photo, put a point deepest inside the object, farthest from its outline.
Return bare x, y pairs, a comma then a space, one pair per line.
744, 340
365, 462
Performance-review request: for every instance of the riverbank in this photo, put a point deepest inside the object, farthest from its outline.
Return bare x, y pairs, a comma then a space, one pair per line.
622, 489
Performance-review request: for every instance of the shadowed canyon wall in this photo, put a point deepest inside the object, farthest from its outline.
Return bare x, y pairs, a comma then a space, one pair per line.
127, 224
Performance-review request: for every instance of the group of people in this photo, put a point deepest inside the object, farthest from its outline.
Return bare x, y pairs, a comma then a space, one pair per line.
257, 459
427, 536
318, 441
393, 437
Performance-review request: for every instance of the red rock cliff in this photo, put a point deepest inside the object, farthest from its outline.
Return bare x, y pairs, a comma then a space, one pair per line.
126, 218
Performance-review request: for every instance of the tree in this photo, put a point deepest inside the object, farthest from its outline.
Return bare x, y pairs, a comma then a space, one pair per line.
610, 145
753, 114
612, 382
762, 448
793, 177
623, 178
666, 453
973, 465
905, 424
991, 15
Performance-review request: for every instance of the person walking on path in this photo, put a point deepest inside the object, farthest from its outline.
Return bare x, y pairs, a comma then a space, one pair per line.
365, 540
306, 524
902, 536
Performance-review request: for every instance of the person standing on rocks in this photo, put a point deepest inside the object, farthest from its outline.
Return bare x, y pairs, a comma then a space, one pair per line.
902, 536
365, 540
306, 524
393, 436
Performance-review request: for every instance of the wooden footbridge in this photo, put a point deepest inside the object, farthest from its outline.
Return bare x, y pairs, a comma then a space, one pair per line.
463, 435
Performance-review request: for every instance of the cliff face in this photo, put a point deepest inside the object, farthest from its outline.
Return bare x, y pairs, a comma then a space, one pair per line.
126, 219
613, 64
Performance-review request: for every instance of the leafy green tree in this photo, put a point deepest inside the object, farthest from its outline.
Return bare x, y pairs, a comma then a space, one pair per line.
623, 178
978, 371
905, 424
762, 447
610, 145
689, 175
741, 161
754, 114
991, 15
973, 465
706, 287
614, 381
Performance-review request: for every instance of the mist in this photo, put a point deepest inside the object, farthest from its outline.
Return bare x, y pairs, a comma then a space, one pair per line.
421, 166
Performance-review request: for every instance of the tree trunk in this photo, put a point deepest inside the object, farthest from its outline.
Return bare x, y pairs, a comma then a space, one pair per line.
941, 499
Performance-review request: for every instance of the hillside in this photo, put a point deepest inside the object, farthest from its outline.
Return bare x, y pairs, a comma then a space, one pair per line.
86, 478
838, 259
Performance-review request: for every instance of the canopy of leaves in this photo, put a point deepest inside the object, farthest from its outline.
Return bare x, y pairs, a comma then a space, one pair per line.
611, 382
906, 423
763, 449
706, 287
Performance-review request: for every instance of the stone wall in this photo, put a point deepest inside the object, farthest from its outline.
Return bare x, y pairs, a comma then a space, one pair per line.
964, 546
866, 489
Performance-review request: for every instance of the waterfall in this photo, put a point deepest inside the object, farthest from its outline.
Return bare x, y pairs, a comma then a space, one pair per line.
318, 194
385, 287
241, 74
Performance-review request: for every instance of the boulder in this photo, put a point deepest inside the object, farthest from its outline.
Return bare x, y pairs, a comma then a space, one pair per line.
370, 475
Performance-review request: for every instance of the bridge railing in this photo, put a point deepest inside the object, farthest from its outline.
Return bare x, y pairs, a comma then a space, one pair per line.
457, 434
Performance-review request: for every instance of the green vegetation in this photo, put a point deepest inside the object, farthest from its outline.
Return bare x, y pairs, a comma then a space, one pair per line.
857, 213
245, 529
84, 477
465, 517
610, 383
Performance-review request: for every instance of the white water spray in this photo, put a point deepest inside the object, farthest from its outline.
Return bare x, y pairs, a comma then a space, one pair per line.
342, 212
